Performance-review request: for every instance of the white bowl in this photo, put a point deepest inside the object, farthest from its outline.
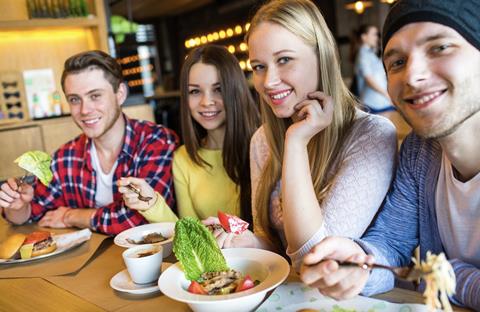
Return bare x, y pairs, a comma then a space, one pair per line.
269, 268
137, 233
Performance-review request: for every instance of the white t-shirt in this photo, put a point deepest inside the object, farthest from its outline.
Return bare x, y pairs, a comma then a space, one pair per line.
104, 190
458, 214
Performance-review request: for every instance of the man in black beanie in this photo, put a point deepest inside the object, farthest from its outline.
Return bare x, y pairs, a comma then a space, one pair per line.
432, 59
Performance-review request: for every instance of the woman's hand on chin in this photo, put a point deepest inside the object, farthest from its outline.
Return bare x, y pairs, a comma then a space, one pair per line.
312, 116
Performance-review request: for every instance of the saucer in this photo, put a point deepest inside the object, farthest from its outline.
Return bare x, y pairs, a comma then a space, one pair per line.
122, 282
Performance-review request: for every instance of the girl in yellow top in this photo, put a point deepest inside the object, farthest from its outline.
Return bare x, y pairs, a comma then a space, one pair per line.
218, 117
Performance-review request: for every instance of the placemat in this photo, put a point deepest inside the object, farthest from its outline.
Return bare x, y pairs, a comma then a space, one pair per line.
67, 262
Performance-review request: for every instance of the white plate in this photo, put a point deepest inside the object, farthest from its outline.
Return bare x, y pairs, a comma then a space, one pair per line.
137, 233
64, 243
122, 282
269, 268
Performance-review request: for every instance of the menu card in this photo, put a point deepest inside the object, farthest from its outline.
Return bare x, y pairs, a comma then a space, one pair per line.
295, 296
43, 98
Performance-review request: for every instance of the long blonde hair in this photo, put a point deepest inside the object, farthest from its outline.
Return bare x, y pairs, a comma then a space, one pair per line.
303, 18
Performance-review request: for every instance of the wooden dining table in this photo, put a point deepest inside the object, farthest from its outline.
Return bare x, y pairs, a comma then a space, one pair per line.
88, 289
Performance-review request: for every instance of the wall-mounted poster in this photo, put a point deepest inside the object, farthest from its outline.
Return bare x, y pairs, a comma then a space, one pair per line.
42, 96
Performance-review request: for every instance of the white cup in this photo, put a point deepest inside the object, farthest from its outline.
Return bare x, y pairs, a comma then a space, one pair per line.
144, 262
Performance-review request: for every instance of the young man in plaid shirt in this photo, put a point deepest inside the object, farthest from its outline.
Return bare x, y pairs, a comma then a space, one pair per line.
86, 170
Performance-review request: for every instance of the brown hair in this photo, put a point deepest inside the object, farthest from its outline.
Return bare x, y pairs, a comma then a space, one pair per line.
302, 18
94, 59
242, 118
356, 40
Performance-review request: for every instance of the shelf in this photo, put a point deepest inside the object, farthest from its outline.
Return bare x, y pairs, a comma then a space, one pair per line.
164, 95
50, 23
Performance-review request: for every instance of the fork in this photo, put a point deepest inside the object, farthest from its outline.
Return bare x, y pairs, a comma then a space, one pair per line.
137, 191
408, 273
26, 179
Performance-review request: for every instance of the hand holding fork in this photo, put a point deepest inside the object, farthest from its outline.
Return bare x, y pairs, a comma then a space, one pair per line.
16, 194
137, 193
347, 275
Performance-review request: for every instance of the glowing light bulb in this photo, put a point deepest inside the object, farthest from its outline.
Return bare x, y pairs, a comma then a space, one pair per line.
238, 29
359, 7
243, 65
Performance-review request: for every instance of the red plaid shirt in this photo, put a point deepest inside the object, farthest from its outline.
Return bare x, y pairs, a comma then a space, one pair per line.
147, 153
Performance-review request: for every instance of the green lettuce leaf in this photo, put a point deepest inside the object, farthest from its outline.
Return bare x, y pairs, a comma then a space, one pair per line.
196, 249
37, 163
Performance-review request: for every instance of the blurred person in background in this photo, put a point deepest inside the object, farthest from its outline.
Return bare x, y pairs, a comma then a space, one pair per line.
369, 74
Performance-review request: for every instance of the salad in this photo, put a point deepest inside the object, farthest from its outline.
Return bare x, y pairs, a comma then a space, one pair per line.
37, 163
203, 262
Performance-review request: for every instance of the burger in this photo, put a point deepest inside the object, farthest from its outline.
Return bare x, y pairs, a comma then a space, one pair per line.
27, 246
42, 243
9, 249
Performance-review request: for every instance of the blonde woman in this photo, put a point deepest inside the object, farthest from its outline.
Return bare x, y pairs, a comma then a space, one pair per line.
319, 166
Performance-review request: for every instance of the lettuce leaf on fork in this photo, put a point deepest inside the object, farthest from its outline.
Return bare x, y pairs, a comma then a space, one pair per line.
196, 249
37, 163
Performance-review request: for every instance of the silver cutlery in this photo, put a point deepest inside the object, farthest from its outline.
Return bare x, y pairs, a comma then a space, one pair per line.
408, 273
137, 191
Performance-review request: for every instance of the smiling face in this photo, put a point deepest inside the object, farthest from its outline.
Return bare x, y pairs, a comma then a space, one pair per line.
94, 106
205, 97
433, 75
285, 68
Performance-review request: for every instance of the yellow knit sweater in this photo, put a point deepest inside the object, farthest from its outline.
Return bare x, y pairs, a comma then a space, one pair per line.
200, 190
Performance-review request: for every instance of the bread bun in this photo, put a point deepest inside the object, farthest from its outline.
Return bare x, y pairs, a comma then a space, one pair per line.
11, 245
51, 248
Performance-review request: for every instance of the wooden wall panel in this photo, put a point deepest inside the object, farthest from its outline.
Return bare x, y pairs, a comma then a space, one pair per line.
57, 132
14, 143
13, 10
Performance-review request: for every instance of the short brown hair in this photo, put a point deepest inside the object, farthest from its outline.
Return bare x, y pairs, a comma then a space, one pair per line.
94, 59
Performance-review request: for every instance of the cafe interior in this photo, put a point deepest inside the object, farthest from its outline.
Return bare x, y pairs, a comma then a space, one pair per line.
150, 40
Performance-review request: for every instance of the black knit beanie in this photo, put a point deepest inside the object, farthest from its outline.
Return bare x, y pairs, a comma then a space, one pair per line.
461, 15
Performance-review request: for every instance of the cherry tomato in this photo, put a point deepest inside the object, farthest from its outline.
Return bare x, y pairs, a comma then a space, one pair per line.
196, 288
245, 284
232, 224
37, 236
